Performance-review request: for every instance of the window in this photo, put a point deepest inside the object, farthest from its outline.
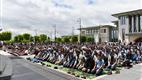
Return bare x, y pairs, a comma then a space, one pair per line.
103, 30
122, 20
90, 31
95, 31
87, 32
130, 24
83, 32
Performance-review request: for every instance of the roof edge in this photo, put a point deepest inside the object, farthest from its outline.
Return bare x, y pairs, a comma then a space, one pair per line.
126, 12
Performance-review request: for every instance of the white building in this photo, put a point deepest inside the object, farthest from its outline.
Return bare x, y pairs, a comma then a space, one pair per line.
129, 26
101, 33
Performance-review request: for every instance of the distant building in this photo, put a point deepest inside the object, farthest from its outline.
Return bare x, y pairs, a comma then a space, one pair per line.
129, 26
101, 33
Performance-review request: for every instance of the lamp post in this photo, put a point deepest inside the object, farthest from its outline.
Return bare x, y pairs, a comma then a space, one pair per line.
35, 35
80, 22
54, 26
72, 31
99, 33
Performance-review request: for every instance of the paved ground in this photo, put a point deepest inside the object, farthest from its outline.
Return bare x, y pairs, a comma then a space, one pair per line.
134, 73
24, 70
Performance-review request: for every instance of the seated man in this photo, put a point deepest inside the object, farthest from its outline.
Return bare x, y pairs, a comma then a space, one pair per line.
112, 61
38, 57
54, 57
81, 61
99, 64
128, 60
60, 59
89, 62
69, 59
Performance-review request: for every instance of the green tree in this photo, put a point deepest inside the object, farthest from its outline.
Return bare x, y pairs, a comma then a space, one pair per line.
31, 39
18, 38
58, 40
74, 39
26, 36
66, 39
5, 36
48, 39
43, 37
83, 38
1, 37
89, 39
36, 38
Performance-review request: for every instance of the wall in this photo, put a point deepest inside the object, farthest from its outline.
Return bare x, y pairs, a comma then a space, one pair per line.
104, 36
133, 37
124, 26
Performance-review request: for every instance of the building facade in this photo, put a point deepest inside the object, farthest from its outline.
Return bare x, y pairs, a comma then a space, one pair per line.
101, 33
129, 26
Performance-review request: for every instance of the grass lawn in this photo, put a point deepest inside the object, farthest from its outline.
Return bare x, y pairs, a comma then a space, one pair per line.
75, 72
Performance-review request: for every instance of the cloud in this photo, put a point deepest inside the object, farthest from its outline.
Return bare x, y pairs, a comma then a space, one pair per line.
21, 16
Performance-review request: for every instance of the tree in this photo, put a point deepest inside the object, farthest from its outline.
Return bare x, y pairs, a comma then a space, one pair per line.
36, 38
74, 39
89, 39
43, 37
1, 37
26, 36
48, 39
31, 39
58, 40
66, 39
18, 38
5, 36
83, 39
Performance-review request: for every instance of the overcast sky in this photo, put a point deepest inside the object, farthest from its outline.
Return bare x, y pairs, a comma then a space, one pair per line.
20, 16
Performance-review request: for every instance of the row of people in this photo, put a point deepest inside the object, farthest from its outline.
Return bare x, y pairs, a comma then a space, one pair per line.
91, 58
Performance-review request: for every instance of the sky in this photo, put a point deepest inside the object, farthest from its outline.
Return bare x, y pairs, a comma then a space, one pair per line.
41, 16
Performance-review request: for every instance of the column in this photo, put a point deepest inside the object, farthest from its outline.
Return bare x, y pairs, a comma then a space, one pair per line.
132, 22
141, 23
137, 23
129, 24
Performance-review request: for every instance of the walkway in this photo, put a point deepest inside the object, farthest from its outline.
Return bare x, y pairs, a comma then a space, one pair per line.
134, 73
25, 70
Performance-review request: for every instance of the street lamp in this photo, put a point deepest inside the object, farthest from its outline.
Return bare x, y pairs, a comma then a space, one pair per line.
80, 22
54, 26
72, 32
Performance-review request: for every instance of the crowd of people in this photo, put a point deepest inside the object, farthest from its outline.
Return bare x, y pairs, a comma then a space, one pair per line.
89, 57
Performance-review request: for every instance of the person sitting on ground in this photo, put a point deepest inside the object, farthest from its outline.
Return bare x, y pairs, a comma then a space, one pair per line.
81, 61
128, 59
112, 61
89, 62
99, 64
